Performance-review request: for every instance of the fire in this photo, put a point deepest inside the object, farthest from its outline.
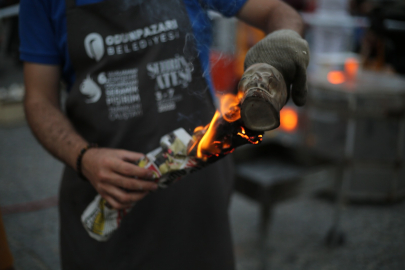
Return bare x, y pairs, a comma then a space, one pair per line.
229, 107
206, 142
224, 132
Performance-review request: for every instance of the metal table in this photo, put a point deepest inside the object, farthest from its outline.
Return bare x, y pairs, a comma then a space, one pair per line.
371, 162
271, 173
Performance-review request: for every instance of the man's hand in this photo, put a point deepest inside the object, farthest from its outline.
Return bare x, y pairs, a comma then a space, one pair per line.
284, 48
115, 176
288, 53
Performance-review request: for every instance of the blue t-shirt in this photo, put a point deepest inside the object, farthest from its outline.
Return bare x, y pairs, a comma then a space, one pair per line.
44, 38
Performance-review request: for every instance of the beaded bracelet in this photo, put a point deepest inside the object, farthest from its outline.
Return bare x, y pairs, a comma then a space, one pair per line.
80, 157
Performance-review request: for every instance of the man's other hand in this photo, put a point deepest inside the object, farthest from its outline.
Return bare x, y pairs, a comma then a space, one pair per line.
288, 53
115, 176
283, 47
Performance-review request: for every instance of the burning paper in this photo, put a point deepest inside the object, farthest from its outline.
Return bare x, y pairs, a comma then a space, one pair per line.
170, 161
179, 154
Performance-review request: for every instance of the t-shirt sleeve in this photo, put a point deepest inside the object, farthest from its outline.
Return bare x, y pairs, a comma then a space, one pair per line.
37, 36
227, 8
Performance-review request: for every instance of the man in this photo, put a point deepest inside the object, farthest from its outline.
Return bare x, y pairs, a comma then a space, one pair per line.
136, 70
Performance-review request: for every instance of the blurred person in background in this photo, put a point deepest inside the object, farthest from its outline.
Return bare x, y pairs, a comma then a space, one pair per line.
6, 259
127, 66
11, 40
388, 25
383, 43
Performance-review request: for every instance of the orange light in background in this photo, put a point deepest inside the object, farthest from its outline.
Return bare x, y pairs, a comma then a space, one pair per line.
288, 119
336, 77
351, 68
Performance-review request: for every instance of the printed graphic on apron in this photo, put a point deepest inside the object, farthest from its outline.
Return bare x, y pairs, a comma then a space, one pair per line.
168, 74
121, 93
113, 96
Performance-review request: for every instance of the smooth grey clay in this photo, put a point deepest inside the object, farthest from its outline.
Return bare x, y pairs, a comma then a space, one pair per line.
265, 94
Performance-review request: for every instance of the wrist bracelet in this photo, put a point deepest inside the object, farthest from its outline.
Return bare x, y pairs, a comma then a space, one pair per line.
80, 157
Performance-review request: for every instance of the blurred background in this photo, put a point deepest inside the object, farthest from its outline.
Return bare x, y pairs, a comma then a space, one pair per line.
324, 191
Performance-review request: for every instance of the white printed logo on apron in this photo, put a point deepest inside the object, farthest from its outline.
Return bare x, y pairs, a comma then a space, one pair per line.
132, 41
168, 74
142, 38
90, 89
93, 43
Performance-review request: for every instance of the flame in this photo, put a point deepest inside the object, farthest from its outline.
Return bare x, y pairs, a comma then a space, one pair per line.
208, 142
229, 107
336, 77
205, 144
288, 119
240, 95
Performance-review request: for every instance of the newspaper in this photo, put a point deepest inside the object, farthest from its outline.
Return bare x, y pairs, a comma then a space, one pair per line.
169, 163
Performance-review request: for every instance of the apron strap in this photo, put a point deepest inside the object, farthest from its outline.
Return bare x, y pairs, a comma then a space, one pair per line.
70, 4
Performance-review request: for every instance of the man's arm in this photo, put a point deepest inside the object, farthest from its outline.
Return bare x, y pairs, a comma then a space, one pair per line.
108, 170
271, 15
44, 115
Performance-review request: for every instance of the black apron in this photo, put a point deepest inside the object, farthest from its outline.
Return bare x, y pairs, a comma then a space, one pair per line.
138, 77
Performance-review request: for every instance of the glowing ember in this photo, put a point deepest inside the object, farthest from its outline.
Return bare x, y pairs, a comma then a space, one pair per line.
250, 139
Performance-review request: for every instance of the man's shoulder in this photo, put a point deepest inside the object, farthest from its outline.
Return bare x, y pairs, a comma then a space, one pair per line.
226, 7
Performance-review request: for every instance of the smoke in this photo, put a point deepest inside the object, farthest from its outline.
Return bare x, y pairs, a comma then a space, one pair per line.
154, 10
194, 118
